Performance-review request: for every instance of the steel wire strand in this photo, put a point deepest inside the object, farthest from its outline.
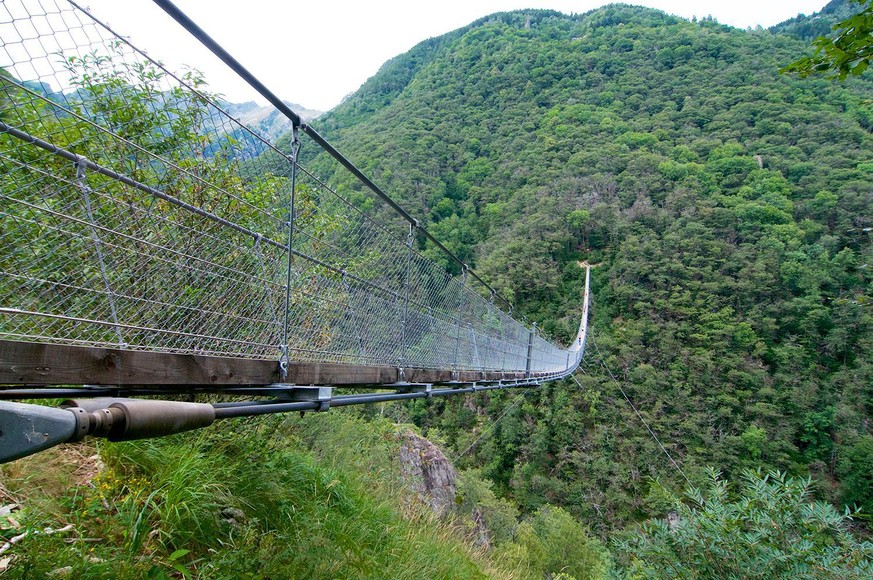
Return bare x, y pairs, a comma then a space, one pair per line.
152, 256
636, 411
493, 424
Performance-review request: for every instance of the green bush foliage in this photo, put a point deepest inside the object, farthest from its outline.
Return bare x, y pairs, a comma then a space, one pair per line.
263, 498
772, 529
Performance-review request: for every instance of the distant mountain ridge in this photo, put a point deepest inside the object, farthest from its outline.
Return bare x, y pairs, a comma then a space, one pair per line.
266, 119
807, 27
263, 119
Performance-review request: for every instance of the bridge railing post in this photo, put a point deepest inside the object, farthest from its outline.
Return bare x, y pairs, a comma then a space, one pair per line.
404, 338
292, 159
81, 166
530, 339
461, 303
477, 359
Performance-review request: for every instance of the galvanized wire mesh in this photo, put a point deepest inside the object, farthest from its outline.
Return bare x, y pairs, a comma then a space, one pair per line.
136, 213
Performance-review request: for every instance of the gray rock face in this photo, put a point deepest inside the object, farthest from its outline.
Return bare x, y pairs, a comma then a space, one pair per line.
428, 472
479, 533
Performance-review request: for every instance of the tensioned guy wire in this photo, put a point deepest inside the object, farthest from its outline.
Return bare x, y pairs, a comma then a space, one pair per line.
635, 410
492, 425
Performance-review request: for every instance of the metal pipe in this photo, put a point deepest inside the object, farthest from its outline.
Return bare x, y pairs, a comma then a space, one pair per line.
122, 419
251, 408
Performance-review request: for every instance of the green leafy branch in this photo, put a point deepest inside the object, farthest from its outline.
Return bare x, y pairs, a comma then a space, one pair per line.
848, 52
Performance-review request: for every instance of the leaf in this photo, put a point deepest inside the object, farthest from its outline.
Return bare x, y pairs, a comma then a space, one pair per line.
178, 554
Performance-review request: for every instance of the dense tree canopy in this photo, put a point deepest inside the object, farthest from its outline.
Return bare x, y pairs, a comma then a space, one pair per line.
772, 530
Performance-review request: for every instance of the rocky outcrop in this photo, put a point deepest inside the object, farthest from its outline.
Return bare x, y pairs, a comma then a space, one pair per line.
479, 532
428, 472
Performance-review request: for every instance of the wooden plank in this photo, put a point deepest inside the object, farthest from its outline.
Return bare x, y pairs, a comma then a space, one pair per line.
426, 375
59, 364
303, 373
23, 363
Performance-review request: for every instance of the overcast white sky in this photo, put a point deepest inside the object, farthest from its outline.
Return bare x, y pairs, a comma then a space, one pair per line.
315, 52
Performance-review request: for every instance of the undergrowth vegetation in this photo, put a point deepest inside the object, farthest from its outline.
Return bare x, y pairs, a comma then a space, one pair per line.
324, 497
258, 498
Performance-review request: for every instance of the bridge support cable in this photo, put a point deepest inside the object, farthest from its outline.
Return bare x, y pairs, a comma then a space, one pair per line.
125, 419
639, 415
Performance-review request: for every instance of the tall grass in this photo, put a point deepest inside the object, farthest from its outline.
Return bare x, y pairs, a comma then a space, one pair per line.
255, 498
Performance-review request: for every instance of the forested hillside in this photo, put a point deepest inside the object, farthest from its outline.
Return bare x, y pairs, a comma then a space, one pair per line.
818, 24
727, 211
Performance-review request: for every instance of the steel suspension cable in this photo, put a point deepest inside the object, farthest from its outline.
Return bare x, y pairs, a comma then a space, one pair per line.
632, 406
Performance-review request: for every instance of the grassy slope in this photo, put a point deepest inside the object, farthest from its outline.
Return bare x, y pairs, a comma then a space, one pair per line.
323, 500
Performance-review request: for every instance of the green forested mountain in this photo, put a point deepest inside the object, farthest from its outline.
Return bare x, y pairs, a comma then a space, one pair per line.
727, 209
818, 24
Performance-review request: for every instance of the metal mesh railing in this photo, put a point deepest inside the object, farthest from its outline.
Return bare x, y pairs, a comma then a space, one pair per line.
136, 213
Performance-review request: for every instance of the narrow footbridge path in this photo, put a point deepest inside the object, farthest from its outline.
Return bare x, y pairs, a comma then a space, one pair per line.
155, 242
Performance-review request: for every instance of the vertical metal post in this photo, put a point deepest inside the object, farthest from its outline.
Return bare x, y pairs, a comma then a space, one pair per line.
295, 150
404, 346
477, 360
458, 331
81, 165
530, 339
491, 355
511, 344
503, 348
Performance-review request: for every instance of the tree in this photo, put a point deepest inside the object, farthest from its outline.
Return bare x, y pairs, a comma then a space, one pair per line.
551, 542
854, 469
772, 530
848, 52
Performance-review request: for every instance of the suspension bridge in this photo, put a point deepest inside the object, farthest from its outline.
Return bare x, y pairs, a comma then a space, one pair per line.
151, 244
